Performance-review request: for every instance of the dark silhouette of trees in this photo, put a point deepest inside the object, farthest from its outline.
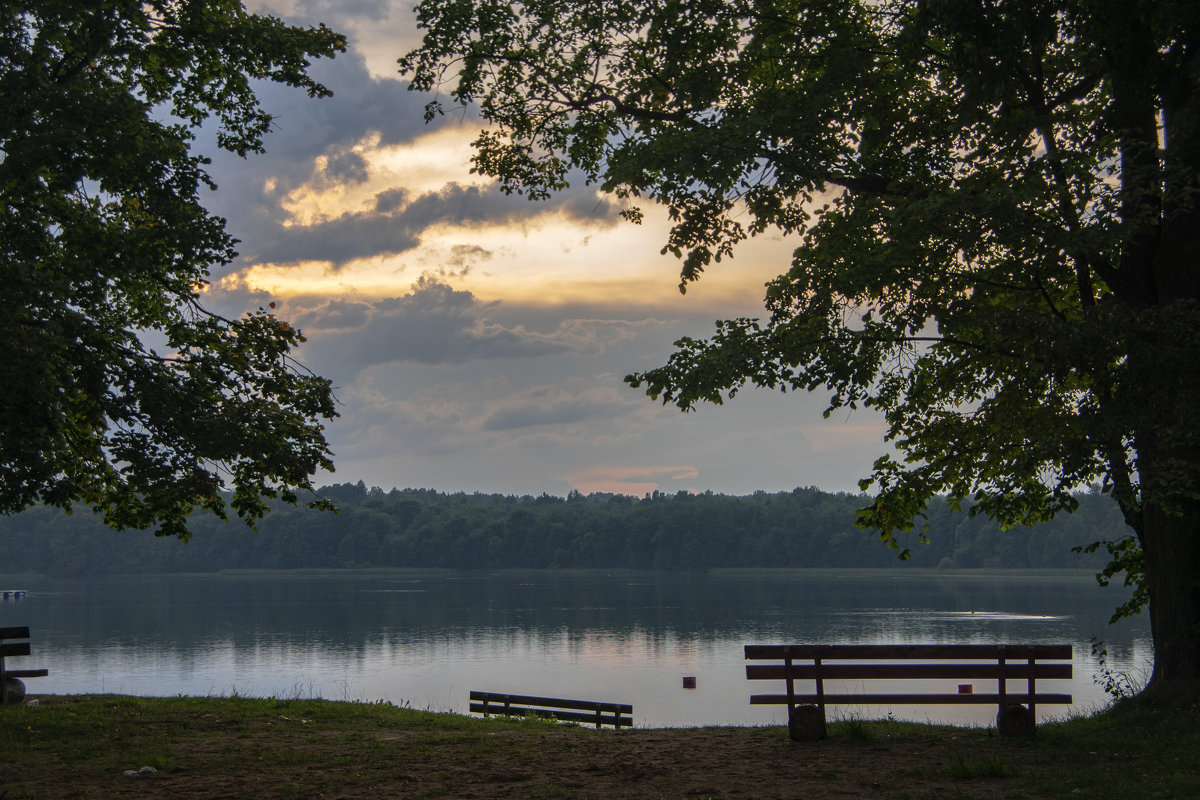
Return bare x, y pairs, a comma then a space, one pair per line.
423, 528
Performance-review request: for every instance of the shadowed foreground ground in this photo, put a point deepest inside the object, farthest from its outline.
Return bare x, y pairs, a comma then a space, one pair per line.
80, 747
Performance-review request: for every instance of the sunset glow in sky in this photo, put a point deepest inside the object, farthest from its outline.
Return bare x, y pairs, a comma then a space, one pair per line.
477, 340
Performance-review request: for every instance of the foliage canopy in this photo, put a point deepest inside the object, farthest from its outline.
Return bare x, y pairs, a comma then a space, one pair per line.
995, 205
106, 246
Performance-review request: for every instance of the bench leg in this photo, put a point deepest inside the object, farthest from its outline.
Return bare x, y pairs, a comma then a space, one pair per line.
1015, 720
12, 690
806, 723
1032, 687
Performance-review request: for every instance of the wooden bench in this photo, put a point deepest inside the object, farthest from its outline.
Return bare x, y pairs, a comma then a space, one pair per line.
518, 705
12, 690
864, 663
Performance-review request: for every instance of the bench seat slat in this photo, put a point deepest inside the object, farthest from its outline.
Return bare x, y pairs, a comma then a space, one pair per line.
910, 699
10, 649
21, 632
26, 673
993, 671
922, 651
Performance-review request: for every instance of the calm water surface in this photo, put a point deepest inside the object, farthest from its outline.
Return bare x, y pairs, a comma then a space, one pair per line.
426, 639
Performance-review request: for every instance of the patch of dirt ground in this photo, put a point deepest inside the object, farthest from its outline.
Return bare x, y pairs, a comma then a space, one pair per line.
289, 758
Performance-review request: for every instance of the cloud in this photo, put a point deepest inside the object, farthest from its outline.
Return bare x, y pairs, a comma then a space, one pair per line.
382, 175
549, 405
380, 29
335, 314
461, 259
303, 128
336, 11
346, 166
395, 223
390, 200
462, 416
437, 325
433, 324
433, 422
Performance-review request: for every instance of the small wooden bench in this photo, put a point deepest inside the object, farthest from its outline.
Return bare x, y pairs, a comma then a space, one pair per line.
884, 662
12, 690
587, 711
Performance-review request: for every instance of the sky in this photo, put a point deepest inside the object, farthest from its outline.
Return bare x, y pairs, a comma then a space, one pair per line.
477, 341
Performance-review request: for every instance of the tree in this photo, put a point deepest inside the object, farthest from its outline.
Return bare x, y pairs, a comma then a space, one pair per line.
105, 246
995, 204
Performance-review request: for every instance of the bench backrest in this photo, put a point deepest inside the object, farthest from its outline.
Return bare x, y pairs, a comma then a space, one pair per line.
908, 651
587, 711
910, 662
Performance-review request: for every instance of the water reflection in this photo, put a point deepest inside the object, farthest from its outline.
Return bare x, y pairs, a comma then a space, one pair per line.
427, 639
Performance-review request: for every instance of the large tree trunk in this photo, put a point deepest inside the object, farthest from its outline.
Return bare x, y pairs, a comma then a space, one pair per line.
1162, 382
1170, 537
1171, 545
1162, 264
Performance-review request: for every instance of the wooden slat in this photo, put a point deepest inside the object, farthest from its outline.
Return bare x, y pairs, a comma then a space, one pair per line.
923, 651
910, 699
9, 649
1010, 670
26, 673
553, 702
624, 720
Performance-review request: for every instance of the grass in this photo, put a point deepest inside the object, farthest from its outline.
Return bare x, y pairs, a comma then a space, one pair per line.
282, 748
966, 767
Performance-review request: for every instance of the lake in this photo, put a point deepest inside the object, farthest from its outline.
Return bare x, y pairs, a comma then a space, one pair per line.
426, 639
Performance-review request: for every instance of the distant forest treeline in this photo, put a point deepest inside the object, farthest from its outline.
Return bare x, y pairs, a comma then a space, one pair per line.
426, 528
